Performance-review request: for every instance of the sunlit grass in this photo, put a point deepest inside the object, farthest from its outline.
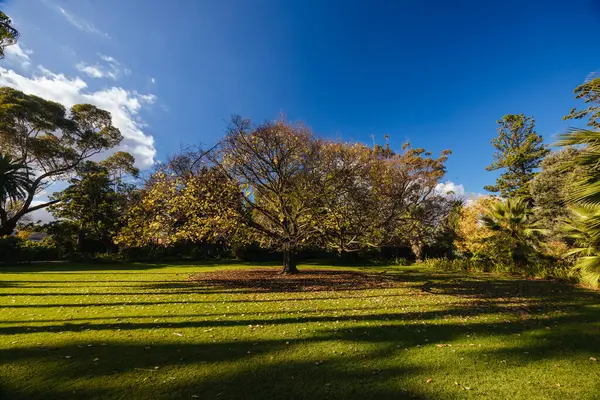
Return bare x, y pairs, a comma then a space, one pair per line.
144, 331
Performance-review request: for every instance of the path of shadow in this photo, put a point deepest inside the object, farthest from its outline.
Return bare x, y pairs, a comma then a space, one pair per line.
339, 377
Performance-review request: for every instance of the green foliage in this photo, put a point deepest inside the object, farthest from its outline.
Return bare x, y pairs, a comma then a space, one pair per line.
97, 198
513, 218
590, 93
14, 250
50, 142
552, 187
519, 151
8, 34
583, 227
14, 181
540, 268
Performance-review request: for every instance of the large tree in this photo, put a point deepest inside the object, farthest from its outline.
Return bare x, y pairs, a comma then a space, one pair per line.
519, 151
50, 142
276, 166
8, 34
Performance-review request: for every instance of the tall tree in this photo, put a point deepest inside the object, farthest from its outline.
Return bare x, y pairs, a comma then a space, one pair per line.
519, 151
8, 34
275, 164
50, 142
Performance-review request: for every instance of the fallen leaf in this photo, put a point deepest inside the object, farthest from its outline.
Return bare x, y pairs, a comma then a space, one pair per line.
429, 380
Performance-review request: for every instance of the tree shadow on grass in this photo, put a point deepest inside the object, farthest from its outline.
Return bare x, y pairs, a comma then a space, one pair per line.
124, 267
265, 368
233, 370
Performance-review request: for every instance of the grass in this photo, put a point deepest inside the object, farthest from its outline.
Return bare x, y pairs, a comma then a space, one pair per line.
143, 331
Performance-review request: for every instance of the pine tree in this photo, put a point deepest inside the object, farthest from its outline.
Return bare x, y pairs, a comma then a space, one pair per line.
519, 151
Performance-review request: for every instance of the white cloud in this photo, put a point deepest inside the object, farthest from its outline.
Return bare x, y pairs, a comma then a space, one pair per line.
124, 105
18, 55
110, 69
79, 22
153, 80
93, 71
450, 188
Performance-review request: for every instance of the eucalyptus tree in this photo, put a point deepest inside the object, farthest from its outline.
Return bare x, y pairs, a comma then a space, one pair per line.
50, 142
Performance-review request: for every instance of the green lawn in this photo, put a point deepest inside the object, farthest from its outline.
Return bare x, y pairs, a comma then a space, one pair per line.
145, 332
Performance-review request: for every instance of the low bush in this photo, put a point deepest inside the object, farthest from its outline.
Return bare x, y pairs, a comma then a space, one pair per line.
14, 250
541, 268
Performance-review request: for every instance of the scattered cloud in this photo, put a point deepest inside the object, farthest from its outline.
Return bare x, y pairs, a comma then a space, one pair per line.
153, 80
110, 69
592, 75
93, 71
77, 21
450, 188
18, 55
125, 106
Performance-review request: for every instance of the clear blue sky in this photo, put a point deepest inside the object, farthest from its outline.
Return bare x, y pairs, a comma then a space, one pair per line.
437, 73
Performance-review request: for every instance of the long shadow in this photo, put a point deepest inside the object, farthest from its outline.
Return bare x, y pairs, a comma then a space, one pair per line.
341, 377
252, 376
77, 267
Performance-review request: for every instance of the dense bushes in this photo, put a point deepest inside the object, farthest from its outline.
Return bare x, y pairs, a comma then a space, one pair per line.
542, 268
14, 249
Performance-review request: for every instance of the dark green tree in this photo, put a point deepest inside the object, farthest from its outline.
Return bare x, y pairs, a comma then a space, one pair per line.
97, 198
519, 151
552, 186
8, 34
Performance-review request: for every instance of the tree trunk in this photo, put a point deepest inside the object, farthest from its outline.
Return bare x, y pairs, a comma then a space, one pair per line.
289, 262
80, 238
417, 249
8, 228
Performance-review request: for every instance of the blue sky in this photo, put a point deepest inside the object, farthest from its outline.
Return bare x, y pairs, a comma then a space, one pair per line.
436, 73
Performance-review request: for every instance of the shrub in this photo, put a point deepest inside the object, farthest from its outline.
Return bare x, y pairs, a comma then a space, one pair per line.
541, 268
14, 249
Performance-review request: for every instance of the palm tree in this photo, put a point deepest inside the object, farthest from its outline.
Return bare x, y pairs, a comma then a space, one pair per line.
14, 180
582, 229
584, 226
514, 218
